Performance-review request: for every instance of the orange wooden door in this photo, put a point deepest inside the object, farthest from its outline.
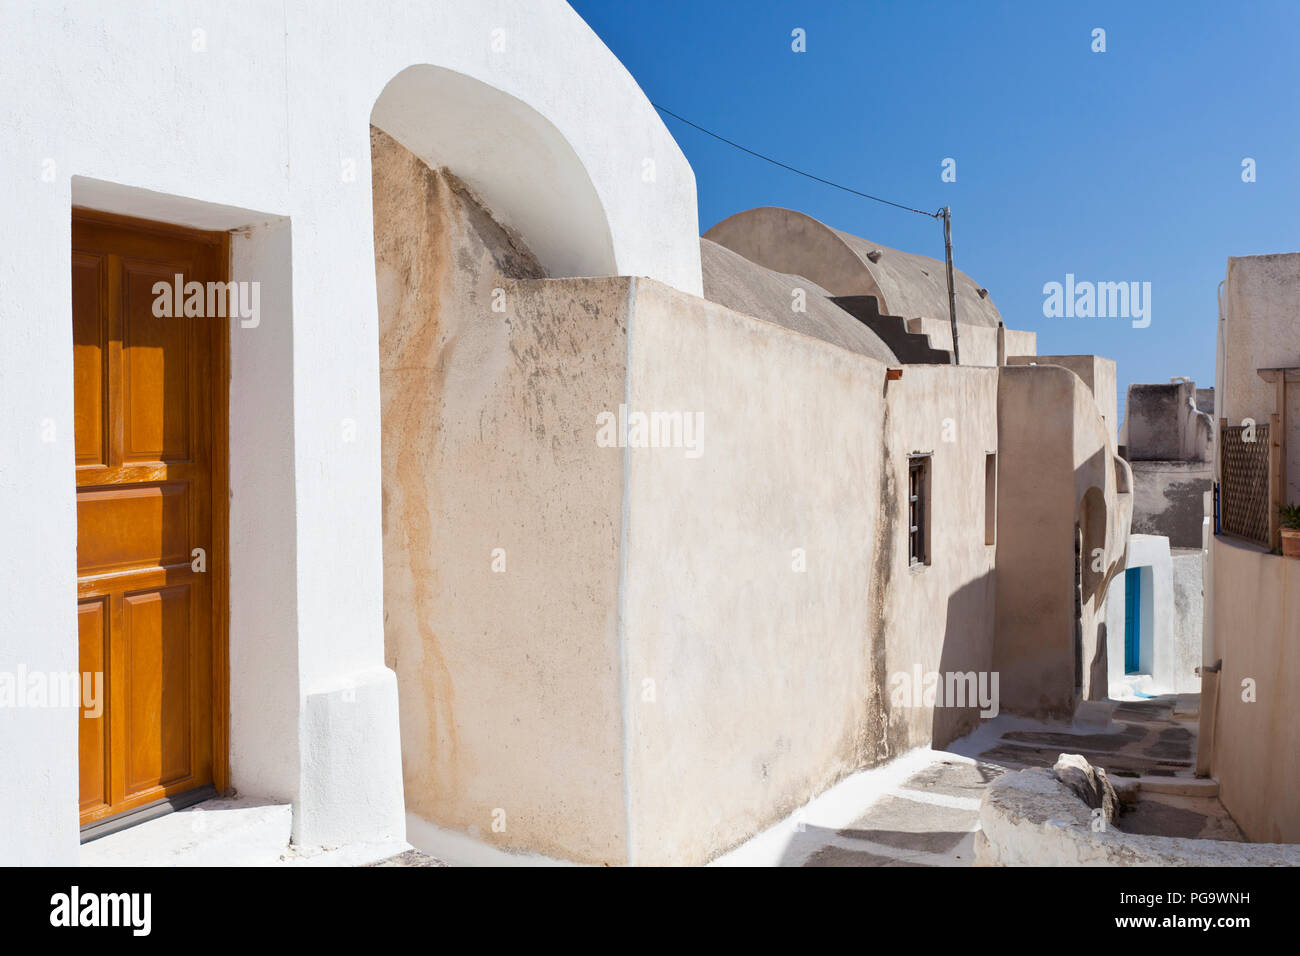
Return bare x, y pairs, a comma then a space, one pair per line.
147, 392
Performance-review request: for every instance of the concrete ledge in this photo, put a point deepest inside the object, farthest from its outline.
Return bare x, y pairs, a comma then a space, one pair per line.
1030, 818
1179, 786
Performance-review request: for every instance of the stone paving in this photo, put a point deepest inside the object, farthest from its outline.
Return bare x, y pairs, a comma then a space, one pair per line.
931, 819
409, 858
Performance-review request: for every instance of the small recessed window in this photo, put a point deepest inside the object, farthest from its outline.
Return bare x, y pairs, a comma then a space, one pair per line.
990, 498
918, 510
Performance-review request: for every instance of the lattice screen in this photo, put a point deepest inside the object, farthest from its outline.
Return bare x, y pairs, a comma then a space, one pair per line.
1243, 488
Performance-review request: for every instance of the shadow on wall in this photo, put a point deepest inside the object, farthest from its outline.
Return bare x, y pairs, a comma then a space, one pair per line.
1099, 567
960, 658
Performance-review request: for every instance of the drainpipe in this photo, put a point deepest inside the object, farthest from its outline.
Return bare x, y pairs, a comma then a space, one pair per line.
952, 295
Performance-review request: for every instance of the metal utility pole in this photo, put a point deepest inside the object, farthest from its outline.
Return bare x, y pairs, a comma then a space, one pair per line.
952, 295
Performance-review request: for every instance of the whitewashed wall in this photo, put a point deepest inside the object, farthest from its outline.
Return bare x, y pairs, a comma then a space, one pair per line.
248, 114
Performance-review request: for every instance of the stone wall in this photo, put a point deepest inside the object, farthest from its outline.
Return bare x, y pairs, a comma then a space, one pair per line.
502, 522
1029, 818
1168, 499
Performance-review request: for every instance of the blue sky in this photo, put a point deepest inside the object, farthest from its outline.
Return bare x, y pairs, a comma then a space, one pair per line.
1115, 166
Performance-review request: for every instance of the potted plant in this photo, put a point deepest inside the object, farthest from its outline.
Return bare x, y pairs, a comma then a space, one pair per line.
1290, 530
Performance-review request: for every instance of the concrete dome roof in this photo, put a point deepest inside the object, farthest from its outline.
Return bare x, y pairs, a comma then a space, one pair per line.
744, 286
906, 284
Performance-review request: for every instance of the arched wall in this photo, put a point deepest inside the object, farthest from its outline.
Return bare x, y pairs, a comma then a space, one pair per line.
512, 157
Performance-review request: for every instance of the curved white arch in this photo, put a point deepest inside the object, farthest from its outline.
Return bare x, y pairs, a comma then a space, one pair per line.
512, 157
544, 71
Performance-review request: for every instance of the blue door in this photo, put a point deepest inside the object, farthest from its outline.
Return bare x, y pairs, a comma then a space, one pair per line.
1132, 619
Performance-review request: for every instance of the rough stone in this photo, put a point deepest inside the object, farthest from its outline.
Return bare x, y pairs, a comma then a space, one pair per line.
1030, 818
1090, 783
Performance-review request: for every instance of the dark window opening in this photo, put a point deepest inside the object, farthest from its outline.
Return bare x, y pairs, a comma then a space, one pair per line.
990, 498
918, 510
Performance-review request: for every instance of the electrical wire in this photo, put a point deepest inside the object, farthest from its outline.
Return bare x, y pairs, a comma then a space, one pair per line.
793, 169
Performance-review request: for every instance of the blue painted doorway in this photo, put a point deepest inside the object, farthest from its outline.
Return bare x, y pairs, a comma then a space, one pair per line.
1132, 619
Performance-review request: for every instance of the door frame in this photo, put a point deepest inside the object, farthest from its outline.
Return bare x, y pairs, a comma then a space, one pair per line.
219, 552
1133, 620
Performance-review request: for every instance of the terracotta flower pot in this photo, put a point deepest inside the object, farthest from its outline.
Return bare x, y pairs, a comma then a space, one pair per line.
1291, 542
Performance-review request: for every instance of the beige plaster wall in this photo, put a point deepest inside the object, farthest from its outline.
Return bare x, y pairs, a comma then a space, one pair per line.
1053, 438
509, 682
769, 683
1256, 756
979, 343
939, 616
748, 680
653, 678
1020, 343
1261, 329
1094, 371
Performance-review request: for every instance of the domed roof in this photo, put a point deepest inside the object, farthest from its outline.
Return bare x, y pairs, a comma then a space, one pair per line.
744, 286
906, 284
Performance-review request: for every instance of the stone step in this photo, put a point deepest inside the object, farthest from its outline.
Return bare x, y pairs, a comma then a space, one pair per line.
237, 831
1180, 786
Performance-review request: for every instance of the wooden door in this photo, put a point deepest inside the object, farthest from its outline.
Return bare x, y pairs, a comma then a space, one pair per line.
150, 398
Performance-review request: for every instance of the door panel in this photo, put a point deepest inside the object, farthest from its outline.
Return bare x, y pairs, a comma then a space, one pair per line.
149, 461
155, 371
90, 359
132, 526
92, 626
156, 637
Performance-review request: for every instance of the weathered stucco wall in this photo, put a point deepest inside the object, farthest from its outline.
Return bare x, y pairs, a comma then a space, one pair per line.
747, 679
1168, 499
769, 609
1094, 371
1052, 437
1261, 319
1165, 423
1034, 627
938, 618
1253, 610
731, 616
1020, 344
507, 661
1257, 742
978, 343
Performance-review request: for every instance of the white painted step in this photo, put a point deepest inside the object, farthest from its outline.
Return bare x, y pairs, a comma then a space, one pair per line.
240, 831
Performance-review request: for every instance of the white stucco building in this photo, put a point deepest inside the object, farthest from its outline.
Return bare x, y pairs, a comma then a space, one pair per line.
361, 550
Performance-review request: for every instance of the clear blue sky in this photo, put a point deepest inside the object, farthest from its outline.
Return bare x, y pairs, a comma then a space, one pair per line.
1115, 166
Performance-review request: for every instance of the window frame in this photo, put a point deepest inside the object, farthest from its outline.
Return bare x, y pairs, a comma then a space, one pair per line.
919, 507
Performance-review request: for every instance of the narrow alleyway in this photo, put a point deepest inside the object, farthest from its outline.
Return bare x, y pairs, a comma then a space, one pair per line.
930, 816
922, 809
